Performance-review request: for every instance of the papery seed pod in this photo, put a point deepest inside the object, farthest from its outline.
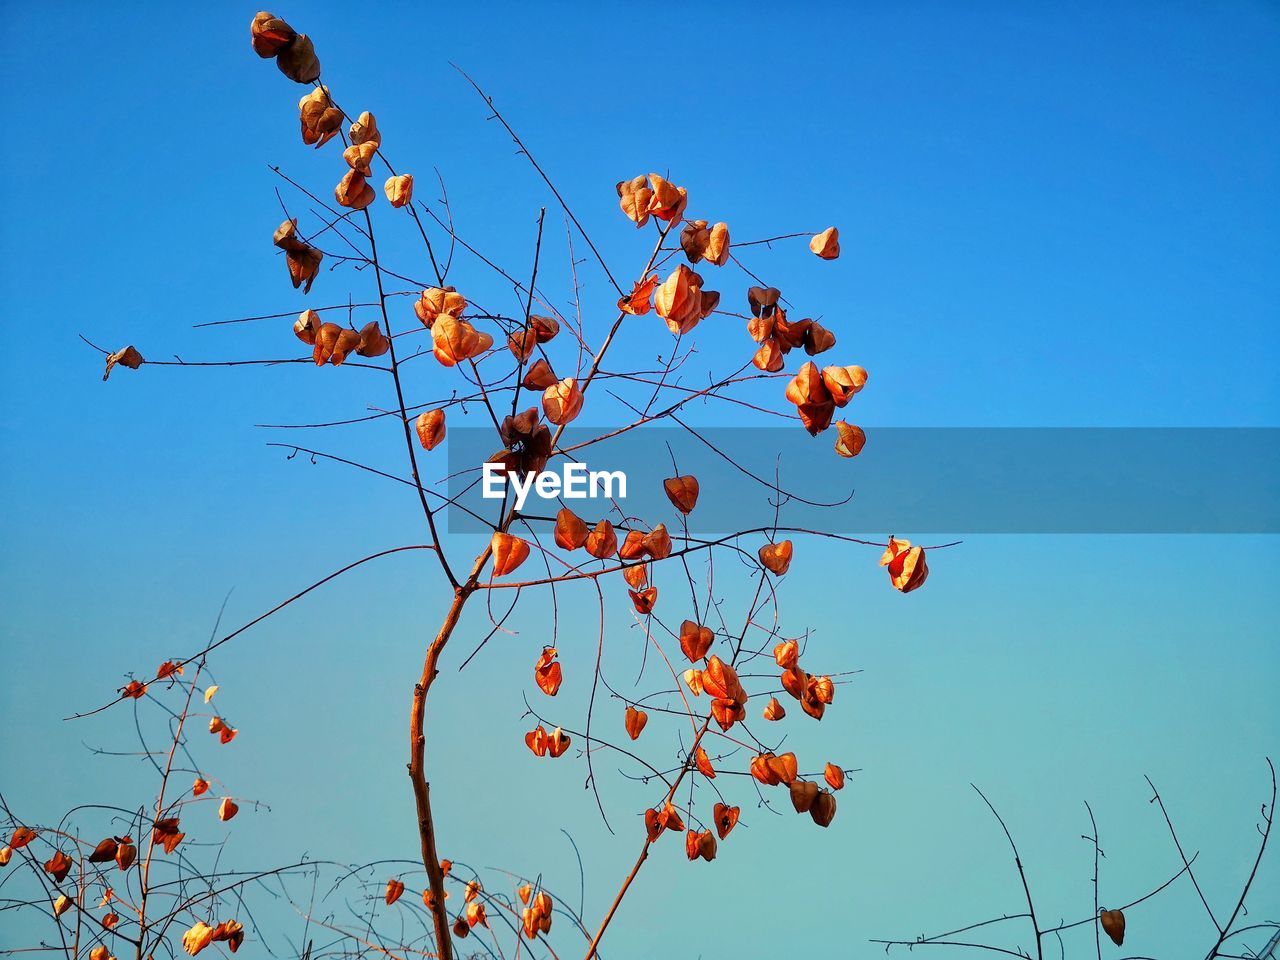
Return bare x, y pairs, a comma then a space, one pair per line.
773, 710
197, 938
318, 119
657, 542
354, 191
818, 339
455, 340
790, 333
165, 831
602, 542
286, 236
544, 328
636, 575
691, 844
634, 721
811, 705
472, 891
634, 197
720, 680
522, 343
727, 711
394, 889
508, 553
557, 742
760, 329
807, 386
668, 201
717, 248
307, 326
58, 866
431, 428
834, 776
693, 680
670, 818
850, 439
637, 302
523, 892
632, 545
822, 688
536, 741
843, 382
907, 567
373, 343
570, 531
695, 640
786, 654
703, 763
826, 244
333, 343
653, 826
227, 734
134, 690
461, 929
823, 810
61, 905
105, 851
769, 357
693, 239
98, 953
682, 492
762, 772
359, 156
539, 376
399, 190
707, 845
803, 793
230, 932
562, 401
794, 681
726, 818
763, 301
776, 557
298, 60
110, 920
6, 854
1113, 925
679, 300
304, 266
436, 301
126, 357
365, 130
784, 767
269, 34
547, 673
227, 809
644, 600
126, 853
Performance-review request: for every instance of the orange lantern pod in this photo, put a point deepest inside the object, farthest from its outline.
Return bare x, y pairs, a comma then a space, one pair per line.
634, 722
547, 672
508, 553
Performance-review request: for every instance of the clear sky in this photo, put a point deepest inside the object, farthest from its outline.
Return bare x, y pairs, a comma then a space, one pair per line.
1057, 215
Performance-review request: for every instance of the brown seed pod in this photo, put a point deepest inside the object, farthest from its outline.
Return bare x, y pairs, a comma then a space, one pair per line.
682, 492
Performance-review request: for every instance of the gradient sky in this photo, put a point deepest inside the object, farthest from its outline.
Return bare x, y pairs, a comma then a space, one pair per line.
1058, 215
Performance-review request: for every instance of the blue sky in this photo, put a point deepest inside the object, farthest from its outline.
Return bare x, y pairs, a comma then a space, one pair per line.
1060, 216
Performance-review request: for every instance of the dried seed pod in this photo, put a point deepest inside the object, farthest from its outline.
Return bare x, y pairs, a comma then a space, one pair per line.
544, 328
794, 681
431, 429
763, 301
823, 810
105, 851
786, 654
454, 340
304, 266
636, 575
536, 741
726, 818
784, 767
843, 382
522, 343
359, 156
61, 905
1113, 925
769, 357
58, 866
602, 542
761, 770
436, 301
803, 793
126, 853
695, 640
693, 680
365, 130
307, 326
197, 938
776, 557
632, 545
907, 567
657, 542
557, 742
269, 34
682, 492
821, 688
399, 189
834, 776
227, 809
668, 200
547, 673
826, 245
6, 854
634, 722
126, 357
354, 191
508, 553
637, 302
373, 343
634, 197
570, 532
850, 439
773, 710
318, 118
298, 60
818, 339
461, 929
539, 376
717, 248
333, 343
644, 600
562, 401
394, 889
693, 239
